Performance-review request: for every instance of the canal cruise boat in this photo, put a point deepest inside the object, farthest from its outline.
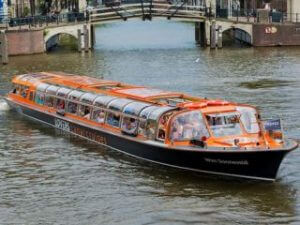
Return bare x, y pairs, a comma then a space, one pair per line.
169, 128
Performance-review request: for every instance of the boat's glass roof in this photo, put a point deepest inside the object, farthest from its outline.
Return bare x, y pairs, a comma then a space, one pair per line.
88, 98
134, 108
102, 101
155, 115
144, 92
119, 103
63, 92
146, 111
52, 89
42, 87
75, 95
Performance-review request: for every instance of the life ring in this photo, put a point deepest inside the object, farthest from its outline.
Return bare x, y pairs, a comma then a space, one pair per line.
194, 105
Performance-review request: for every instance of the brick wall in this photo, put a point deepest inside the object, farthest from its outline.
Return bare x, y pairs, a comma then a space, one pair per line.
274, 35
23, 42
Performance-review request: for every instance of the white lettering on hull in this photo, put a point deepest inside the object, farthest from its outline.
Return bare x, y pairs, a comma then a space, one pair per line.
228, 162
61, 124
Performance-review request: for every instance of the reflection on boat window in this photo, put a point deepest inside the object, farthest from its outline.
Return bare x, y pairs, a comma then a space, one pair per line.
188, 126
99, 115
248, 119
162, 123
39, 98
129, 125
72, 107
49, 101
224, 124
60, 104
85, 111
150, 129
113, 119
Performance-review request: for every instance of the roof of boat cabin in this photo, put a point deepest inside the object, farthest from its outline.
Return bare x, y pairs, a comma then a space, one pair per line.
118, 89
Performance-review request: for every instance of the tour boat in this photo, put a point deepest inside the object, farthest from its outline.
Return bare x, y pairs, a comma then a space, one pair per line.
169, 128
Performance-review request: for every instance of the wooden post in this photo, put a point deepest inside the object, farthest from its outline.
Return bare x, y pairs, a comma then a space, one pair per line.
4, 47
93, 37
220, 37
86, 38
202, 34
197, 32
79, 42
213, 35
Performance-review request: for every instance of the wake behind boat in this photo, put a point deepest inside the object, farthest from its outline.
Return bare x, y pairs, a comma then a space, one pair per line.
169, 128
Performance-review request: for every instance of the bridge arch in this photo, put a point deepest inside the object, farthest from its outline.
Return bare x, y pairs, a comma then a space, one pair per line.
51, 34
240, 31
238, 34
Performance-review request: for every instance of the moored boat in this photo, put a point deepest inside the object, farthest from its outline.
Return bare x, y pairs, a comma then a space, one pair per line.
169, 128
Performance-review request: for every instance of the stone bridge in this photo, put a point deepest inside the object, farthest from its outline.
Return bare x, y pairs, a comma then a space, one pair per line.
80, 31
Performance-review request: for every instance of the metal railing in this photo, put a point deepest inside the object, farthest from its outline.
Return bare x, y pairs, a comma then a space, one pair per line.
258, 16
35, 21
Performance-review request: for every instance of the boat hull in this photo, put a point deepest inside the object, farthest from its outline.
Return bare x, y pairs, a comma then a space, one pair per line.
260, 164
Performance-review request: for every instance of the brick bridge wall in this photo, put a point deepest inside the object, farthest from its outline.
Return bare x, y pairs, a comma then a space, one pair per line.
23, 42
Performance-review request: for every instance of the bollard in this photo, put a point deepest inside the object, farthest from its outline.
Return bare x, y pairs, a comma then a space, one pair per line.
4, 47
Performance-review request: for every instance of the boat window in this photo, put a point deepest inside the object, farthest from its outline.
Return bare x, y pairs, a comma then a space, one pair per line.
152, 125
113, 119
60, 104
188, 126
224, 124
119, 103
72, 107
42, 87
102, 101
129, 125
134, 108
49, 101
51, 90
50, 93
85, 111
39, 98
99, 115
144, 115
162, 125
88, 98
31, 96
63, 92
73, 96
248, 119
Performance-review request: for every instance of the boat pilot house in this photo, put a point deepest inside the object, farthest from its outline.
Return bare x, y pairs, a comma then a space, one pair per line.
165, 127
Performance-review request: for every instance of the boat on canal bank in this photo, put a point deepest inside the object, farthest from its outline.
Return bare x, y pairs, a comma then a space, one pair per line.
169, 128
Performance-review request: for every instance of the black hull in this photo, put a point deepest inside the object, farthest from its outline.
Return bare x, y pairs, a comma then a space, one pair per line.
260, 164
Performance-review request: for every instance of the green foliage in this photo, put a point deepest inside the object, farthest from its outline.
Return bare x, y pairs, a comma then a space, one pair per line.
26, 11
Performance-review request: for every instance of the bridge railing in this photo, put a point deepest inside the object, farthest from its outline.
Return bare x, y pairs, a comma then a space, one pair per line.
146, 9
40, 20
258, 16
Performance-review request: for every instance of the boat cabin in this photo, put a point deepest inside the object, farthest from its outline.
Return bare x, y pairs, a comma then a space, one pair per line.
147, 114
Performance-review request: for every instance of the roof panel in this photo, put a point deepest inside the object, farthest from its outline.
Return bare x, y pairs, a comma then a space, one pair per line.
134, 108
119, 103
143, 92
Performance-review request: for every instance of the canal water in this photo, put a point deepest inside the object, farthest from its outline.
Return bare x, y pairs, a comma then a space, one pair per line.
50, 178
